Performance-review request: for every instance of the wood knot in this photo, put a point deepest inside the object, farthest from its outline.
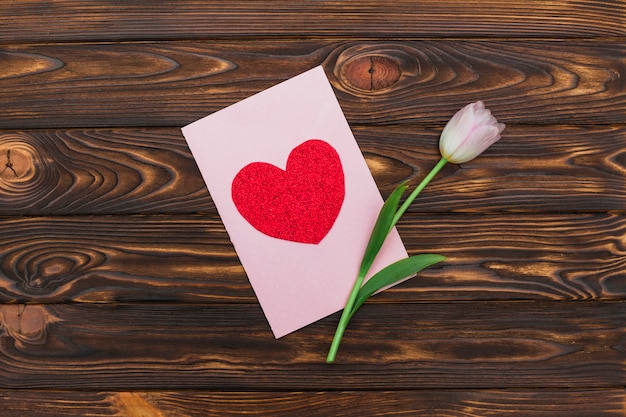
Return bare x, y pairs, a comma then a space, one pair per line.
43, 270
26, 324
374, 68
17, 160
27, 173
371, 72
13, 162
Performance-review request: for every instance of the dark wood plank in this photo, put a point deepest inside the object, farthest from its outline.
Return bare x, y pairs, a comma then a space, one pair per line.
190, 259
130, 171
172, 84
93, 20
387, 347
431, 403
107, 259
111, 171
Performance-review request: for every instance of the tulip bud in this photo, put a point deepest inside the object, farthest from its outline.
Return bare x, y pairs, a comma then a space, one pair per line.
469, 133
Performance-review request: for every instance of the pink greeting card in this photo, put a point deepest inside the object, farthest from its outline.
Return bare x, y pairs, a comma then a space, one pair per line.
295, 195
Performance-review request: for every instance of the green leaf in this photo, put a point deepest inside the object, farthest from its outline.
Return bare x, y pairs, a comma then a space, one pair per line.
382, 227
393, 273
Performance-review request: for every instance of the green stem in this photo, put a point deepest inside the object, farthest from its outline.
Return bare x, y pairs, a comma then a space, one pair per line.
347, 311
418, 190
345, 318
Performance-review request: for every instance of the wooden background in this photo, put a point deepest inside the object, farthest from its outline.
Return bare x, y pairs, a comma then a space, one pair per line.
121, 294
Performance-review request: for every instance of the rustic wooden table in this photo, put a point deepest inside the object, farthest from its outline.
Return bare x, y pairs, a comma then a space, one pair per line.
122, 295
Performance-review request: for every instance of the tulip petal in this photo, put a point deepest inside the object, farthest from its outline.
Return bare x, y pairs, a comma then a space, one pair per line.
469, 133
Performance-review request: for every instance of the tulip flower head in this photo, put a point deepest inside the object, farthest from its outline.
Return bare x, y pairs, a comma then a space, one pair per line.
469, 133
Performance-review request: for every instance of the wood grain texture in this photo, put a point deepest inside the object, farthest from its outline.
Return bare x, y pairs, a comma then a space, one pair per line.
387, 347
190, 259
151, 171
89, 20
109, 171
121, 294
172, 84
426, 403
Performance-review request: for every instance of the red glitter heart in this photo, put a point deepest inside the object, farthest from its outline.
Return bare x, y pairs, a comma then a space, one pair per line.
299, 204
